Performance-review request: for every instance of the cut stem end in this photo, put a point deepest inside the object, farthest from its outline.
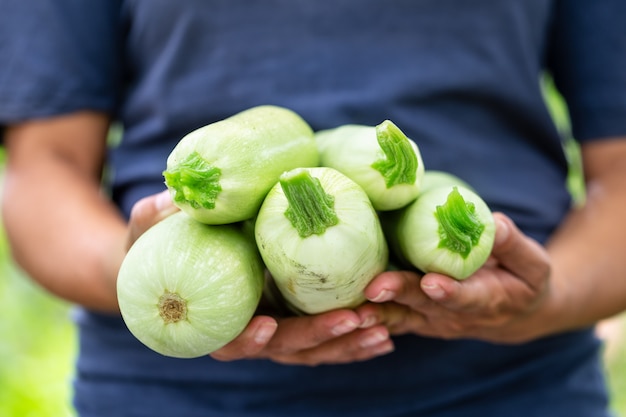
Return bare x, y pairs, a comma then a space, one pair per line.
399, 166
194, 181
172, 308
311, 210
460, 227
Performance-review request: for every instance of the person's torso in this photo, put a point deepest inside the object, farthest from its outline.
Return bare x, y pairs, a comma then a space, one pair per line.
460, 78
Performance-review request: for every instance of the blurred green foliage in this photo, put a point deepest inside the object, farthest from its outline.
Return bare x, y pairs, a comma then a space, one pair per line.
558, 109
36, 351
616, 367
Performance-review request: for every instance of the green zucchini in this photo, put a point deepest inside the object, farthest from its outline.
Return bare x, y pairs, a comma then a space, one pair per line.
381, 159
185, 289
447, 229
221, 172
320, 239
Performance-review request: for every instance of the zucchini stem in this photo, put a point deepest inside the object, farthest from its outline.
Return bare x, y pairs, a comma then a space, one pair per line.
399, 165
460, 227
194, 181
311, 209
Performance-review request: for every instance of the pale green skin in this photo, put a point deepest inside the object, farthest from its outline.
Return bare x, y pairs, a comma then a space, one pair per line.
416, 231
352, 149
323, 272
252, 149
214, 268
434, 178
390, 219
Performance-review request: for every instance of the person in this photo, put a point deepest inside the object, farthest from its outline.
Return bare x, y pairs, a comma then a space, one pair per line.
462, 79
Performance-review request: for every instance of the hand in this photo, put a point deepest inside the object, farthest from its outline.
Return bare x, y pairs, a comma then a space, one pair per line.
146, 213
275, 333
334, 337
502, 302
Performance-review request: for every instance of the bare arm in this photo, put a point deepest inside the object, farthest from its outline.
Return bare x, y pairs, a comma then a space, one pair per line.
63, 232
589, 250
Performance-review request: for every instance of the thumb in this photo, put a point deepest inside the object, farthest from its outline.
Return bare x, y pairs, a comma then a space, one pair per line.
147, 212
520, 254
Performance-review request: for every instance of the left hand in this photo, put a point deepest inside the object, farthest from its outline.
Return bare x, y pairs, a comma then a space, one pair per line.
504, 301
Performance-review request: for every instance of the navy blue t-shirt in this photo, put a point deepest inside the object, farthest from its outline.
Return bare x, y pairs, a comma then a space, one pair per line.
462, 78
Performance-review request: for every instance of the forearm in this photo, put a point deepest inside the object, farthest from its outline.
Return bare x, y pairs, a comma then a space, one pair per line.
63, 231
587, 251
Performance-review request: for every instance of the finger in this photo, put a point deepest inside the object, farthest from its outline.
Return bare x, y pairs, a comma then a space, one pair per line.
519, 254
333, 340
493, 292
399, 286
147, 212
250, 342
474, 293
358, 345
398, 318
295, 334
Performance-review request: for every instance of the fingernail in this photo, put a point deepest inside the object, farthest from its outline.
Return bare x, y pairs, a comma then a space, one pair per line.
434, 291
383, 348
265, 333
373, 339
344, 327
384, 295
369, 321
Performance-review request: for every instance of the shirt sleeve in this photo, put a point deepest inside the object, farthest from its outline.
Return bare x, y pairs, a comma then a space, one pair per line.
59, 56
587, 59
